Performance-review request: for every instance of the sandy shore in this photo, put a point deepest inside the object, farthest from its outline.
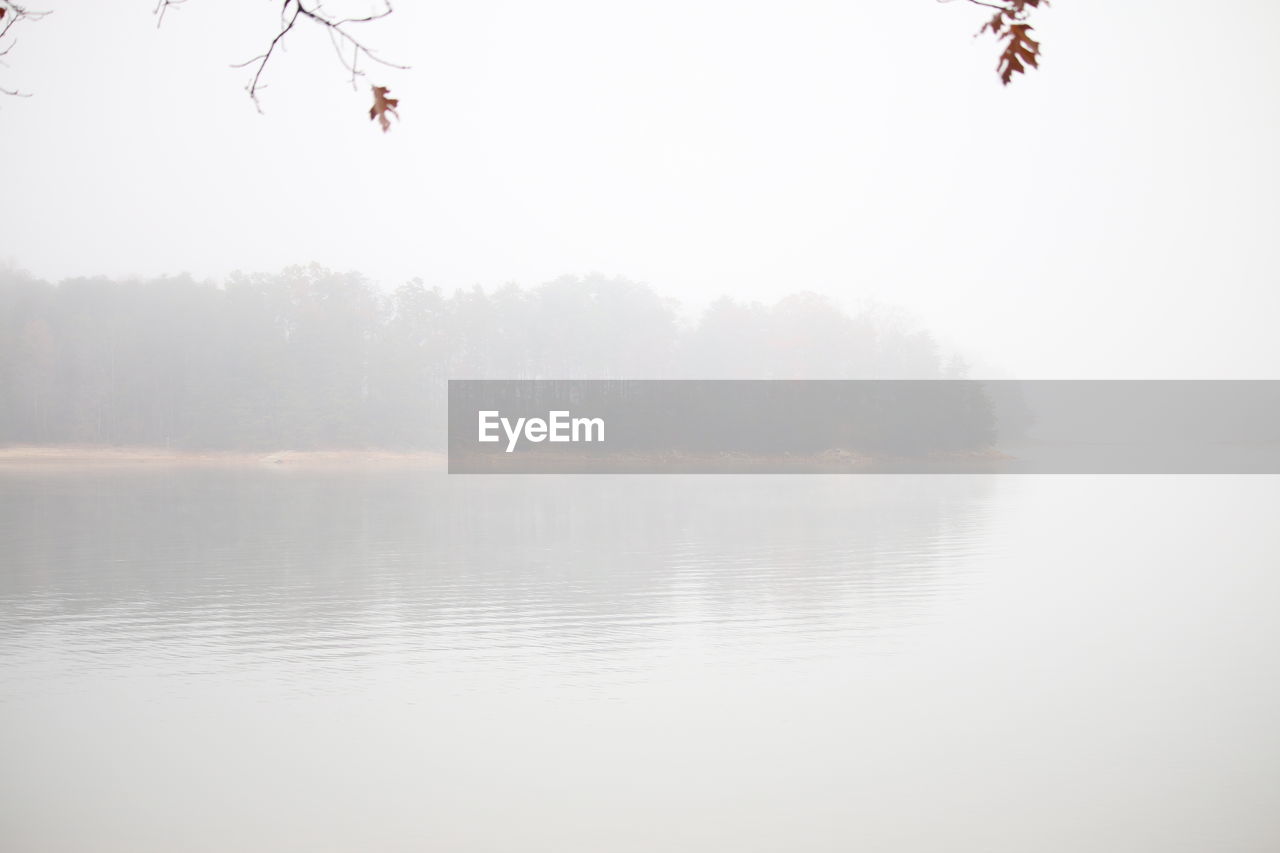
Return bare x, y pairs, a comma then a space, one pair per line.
25, 457
94, 456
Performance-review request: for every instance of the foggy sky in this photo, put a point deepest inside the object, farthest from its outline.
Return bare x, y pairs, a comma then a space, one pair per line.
1112, 215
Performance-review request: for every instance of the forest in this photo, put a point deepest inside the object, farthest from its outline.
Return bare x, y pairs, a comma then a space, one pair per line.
309, 358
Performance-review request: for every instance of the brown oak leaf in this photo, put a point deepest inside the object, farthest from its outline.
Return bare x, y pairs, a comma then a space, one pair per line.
1009, 25
1020, 51
383, 105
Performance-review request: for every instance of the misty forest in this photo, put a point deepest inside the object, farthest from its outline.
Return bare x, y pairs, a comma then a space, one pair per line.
310, 358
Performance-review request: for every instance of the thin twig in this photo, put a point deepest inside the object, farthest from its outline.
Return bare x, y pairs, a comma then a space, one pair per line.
11, 14
349, 49
163, 6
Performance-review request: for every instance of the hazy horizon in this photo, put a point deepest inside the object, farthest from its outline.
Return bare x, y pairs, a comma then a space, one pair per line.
1122, 194
418, 490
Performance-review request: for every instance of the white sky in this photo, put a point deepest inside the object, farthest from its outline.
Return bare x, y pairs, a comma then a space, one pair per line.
1115, 214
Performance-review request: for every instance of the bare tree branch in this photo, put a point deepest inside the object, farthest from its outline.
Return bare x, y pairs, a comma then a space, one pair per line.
350, 50
12, 14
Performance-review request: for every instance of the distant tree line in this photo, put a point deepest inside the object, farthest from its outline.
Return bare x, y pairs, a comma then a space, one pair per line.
310, 358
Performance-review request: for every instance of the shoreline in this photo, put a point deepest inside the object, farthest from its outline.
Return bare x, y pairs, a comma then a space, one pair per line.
28, 457
86, 456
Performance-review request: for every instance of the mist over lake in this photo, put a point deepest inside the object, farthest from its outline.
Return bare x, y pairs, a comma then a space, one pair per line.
283, 659
678, 427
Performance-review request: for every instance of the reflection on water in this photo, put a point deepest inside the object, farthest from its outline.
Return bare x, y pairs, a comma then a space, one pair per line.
586, 577
285, 660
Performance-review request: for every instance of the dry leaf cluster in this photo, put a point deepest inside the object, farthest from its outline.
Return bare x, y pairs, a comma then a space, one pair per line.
1009, 24
383, 105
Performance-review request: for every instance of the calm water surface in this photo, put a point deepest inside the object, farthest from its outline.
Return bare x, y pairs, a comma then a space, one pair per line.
284, 660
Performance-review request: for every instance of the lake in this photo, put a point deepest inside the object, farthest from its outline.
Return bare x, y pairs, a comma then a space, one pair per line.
281, 660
